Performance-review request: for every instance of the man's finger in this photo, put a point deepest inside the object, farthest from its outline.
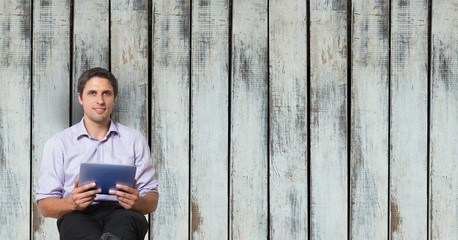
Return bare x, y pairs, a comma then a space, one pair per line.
118, 193
125, 188
92, 192
87, 188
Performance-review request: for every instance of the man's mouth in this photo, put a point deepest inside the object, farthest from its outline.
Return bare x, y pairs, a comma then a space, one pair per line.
99, 109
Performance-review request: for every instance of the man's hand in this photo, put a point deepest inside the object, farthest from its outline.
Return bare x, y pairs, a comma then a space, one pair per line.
80, 199
127, 196
83, 196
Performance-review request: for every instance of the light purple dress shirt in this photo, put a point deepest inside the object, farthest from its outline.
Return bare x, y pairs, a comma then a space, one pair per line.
65, 151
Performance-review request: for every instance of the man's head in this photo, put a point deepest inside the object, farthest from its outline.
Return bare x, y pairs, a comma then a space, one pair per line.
97, 72
97, 91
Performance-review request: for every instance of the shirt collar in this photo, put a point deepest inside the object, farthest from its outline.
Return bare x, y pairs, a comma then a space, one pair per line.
82, 132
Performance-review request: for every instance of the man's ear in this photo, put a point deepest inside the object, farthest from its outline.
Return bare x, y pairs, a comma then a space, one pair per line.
80, 99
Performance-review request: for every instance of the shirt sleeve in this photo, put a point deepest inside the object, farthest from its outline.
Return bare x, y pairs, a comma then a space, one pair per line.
146, 173
50, 180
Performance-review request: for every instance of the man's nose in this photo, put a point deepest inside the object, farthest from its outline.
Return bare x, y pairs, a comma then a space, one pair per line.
100, 99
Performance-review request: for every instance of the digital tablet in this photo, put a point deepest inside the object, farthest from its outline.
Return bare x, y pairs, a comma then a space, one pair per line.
106, 176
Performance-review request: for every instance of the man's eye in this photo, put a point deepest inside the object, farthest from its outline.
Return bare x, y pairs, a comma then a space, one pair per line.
107, 93
91, 93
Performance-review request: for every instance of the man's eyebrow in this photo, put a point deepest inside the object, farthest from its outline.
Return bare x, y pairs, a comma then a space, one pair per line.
94, 90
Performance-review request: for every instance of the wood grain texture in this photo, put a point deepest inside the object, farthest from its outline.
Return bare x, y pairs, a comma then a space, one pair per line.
328, 120
409, 120
225, 82
91, 41
369, 120
288, 119
443, 197
171, 116
129, 62
249, 121
209, 119
51, 85
15, 104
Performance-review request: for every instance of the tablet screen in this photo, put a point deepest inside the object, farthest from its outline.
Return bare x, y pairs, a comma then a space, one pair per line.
106, 176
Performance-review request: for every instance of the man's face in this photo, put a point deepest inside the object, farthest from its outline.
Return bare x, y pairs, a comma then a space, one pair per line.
97, 100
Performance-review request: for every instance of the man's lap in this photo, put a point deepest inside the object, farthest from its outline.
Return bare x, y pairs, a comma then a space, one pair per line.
102, 218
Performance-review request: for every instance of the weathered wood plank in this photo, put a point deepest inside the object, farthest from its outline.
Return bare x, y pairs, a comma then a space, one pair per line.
209, 119
129, 61
369, 120
15, 104
409, 120
170, 116
249, 121
288, 119
51, 84
328, 119
91, 41
444, 118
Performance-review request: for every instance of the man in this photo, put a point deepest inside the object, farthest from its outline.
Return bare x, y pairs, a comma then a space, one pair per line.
81, 213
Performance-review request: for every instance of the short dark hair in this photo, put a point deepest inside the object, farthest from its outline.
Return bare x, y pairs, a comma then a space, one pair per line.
97, 72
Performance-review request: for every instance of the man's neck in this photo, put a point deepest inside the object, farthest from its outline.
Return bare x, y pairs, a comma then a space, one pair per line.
97, 130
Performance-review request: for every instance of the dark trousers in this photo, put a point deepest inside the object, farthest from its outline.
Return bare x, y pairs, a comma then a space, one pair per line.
107, 219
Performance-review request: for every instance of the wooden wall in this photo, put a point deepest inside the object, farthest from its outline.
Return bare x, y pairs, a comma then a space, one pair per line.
267, 119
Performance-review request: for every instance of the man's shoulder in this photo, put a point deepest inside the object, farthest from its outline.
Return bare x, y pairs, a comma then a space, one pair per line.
65, 134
